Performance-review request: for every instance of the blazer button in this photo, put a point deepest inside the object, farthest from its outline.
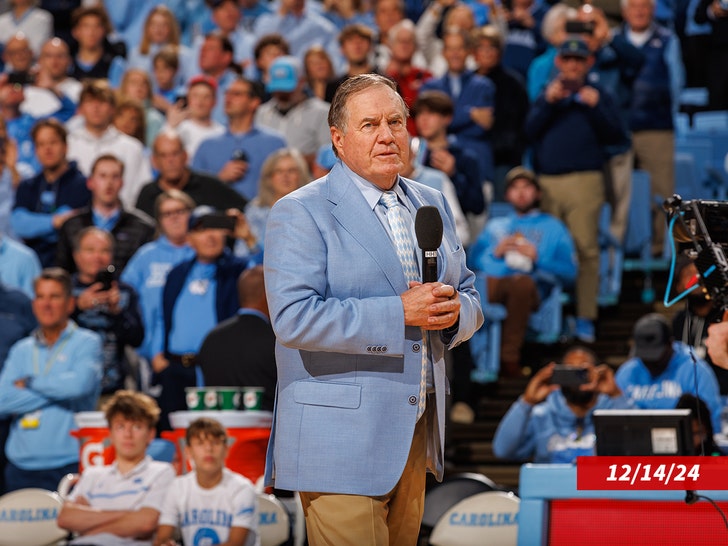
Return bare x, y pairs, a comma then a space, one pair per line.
412, 400
384, 349
369, 348
416, 347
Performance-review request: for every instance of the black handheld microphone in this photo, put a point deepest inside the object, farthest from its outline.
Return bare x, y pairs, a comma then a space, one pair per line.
428, 228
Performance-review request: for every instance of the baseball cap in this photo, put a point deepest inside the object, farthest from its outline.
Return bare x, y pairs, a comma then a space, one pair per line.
325, 157
517, 173
203, 217
201, 78
283, 74
574, 47
651, 335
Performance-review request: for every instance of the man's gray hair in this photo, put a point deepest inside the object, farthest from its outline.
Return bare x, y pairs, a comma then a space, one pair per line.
555, 20
623, 3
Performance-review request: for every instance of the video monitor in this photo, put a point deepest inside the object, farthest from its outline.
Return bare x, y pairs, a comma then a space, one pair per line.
644, 432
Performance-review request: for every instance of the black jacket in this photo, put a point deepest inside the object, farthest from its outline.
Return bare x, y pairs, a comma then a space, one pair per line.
133, 229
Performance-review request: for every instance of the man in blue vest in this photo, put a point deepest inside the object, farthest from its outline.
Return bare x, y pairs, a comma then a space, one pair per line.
654, 101
198, 294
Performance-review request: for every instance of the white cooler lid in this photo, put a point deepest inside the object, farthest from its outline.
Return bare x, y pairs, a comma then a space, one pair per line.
90, 419
228, 419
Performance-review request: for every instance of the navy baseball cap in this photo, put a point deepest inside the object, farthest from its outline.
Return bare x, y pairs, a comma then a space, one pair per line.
201, 217
652, 335
574, 47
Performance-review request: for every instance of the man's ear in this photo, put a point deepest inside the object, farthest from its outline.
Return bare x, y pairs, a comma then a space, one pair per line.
337, 139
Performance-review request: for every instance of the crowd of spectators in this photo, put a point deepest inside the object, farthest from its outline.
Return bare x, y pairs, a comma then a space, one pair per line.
143, 143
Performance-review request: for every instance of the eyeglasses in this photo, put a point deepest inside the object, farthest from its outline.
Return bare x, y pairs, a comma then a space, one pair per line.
173, 213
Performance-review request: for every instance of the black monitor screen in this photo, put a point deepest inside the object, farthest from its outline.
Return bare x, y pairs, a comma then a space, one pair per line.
644, 432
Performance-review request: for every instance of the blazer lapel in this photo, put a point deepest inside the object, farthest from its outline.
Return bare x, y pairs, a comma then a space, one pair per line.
353, 213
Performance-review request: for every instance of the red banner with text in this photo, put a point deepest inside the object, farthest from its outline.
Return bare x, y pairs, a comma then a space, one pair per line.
651, 473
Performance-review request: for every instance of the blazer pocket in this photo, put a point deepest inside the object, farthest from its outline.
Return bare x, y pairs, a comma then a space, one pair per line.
324, 393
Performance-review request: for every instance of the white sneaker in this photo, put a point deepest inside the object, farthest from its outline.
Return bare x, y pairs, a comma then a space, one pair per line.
462, 413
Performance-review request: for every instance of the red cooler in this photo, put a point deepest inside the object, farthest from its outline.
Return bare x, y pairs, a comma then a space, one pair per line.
249, 432
93, 436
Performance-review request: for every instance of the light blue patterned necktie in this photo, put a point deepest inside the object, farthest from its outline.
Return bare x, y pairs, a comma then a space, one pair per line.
406, 254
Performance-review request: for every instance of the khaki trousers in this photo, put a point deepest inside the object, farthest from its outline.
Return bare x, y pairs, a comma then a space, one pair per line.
390, 520
620, 179
655, 153
576, 199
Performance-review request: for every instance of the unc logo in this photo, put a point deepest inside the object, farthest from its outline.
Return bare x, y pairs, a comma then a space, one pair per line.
205, 537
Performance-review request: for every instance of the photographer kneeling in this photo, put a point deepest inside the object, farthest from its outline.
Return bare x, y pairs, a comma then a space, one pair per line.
552, 421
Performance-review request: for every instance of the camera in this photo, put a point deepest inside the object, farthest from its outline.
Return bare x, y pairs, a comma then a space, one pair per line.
239, 155
569, 376
700, 230
572, 86
21, 78
580, 27
181, 101
106, 277
218, 220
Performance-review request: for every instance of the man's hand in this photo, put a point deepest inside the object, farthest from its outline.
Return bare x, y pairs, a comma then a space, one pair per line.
601, 379
589, 96
59, 219
717, 343
233, 170
555, 91
539, 387
159, 362
242, 228
442, 160
431, 306
113, 297
93, 296
517, 243
176, 114
483, 116
717, 10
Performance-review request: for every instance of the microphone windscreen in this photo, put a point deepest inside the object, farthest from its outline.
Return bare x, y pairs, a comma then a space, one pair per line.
428, 228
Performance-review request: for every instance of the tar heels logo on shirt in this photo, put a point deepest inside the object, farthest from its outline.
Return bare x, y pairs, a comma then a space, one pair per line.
138, 480
205, 537
198, 287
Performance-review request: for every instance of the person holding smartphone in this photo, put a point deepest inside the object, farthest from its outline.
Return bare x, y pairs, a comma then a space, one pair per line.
198, 294
105, 305
569, 125
551, 422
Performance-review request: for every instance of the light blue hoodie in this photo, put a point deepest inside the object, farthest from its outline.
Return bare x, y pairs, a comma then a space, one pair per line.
547, 432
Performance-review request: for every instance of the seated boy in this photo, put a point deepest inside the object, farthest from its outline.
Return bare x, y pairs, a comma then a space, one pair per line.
211, 505
119, 504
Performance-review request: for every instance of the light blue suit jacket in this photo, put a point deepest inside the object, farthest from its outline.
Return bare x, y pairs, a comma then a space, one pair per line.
348, 368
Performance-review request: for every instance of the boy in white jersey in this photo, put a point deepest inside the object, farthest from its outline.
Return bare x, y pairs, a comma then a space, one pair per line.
119, 504
211, 505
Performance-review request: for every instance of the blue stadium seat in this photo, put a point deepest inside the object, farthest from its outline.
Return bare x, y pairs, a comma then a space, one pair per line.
686, 183
638, 238
611, 261
485, 343
699, 146
694, 96
711, 121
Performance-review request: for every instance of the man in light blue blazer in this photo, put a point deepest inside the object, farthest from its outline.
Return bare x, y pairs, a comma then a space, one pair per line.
351, 332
